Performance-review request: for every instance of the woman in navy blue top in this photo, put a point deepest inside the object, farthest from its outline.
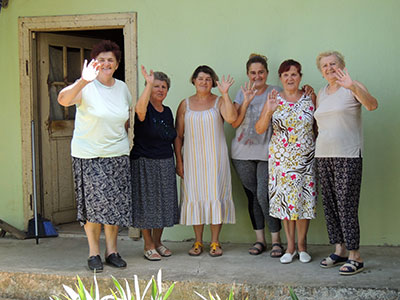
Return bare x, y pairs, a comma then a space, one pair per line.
154, 194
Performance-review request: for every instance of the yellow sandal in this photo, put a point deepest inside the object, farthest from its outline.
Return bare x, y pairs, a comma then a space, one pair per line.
215, 249
196, 249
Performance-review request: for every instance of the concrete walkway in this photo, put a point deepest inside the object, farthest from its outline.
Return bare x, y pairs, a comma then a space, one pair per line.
30, 271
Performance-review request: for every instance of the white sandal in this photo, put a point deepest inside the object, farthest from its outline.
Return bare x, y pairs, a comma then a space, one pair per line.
152, 255
164, 251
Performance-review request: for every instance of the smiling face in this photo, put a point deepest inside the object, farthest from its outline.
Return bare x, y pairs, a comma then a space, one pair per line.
291, 79
108, 64
159, 90
257, 75
203, 82
328, 66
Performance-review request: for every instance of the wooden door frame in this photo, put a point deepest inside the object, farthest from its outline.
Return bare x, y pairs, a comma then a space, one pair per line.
28, 26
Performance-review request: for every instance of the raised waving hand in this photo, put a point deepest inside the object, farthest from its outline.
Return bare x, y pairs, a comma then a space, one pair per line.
224, 85
358, 89
272, 102
270, 106
249, 91
149, 77
343, 78
91, 70
72, 94
142, 103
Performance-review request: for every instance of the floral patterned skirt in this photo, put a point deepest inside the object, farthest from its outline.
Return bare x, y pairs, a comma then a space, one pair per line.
103, 190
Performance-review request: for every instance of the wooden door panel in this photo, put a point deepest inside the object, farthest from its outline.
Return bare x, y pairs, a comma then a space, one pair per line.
60, 58
66, 197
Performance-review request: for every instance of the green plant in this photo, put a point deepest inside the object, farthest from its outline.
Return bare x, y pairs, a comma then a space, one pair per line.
293, 294
120, 293
156, 291
217, 297
82, 293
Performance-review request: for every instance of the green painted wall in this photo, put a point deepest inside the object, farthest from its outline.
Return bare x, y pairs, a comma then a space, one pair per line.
175, 36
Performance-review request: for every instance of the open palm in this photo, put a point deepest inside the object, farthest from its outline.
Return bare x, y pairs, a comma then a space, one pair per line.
90, 72
248, 91
224, 85
343, 78
272, 101
148, 77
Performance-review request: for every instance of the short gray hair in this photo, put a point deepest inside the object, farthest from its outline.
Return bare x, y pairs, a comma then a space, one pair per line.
338, 55
162, 77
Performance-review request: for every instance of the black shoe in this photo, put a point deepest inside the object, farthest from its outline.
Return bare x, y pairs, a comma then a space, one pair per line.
95, 264
115, 260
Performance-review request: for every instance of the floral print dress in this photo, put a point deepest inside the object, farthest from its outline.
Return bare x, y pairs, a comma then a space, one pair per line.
292, 185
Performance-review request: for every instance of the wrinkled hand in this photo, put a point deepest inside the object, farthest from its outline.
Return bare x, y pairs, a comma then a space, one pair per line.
272, 101
307, 89
148, 77
248, 91
224, 85
90, 72
343, 78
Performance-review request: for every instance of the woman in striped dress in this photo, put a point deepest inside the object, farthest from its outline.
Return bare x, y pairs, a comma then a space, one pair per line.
202, 159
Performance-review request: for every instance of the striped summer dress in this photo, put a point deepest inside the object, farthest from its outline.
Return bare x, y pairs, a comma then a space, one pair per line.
206, 191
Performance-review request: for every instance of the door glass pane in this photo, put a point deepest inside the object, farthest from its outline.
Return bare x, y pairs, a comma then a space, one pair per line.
73, 64
56, 80
87, 54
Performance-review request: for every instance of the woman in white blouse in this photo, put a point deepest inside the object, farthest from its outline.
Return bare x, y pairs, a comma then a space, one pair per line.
338, 152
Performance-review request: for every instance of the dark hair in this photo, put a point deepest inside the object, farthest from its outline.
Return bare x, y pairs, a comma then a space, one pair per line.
285, 66
207, 70
106, 46
162, 77
257, 58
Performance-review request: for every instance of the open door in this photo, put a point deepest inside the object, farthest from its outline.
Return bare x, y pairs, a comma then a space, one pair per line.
59, 62
73, 36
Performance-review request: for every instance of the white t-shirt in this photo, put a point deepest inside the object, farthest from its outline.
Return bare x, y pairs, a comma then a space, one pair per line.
247, 143
100, 121
338, 117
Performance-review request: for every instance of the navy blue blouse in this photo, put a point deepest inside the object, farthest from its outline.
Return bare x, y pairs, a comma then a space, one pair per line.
155, 135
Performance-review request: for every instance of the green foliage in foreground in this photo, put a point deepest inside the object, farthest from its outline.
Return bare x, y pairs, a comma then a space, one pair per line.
156, 292
120, 293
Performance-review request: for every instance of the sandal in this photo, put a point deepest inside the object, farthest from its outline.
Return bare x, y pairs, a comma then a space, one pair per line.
164, 251
196, 249
276, 252
332, 261
152, 255
351, 267
257, 250
215, 249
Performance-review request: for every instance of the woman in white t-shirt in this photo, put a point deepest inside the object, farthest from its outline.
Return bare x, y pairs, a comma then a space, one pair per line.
339, 158
250, 153
100, 152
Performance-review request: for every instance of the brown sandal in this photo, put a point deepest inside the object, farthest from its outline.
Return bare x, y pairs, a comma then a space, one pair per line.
215, 249
196, 249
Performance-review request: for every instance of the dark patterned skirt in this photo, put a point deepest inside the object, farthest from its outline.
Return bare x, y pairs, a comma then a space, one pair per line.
103, 190
154, 194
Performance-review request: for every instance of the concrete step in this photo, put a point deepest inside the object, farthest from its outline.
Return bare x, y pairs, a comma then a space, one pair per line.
29, 271
41, 286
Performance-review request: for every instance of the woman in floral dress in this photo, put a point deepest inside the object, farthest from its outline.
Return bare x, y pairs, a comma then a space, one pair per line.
291, 157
